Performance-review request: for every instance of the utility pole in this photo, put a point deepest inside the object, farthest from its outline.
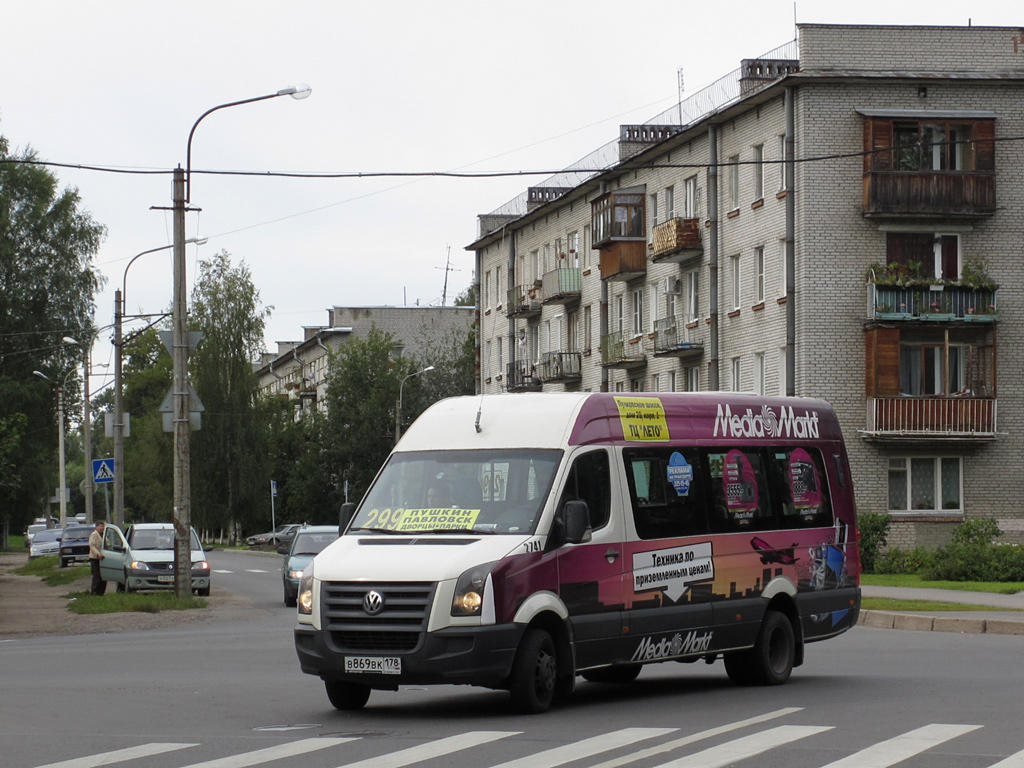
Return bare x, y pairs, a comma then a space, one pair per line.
87, 435
118, 425
447, 268
182, 514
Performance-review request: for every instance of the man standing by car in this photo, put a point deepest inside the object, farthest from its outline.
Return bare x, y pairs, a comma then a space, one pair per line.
95, 555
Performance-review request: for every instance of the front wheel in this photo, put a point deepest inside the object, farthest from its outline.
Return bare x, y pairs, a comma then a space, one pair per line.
347, 695
770, 661
534, 673
127, 589
204, 592
290, 600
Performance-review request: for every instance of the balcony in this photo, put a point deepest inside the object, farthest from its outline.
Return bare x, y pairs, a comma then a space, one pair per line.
522, 301
560, 367
622, 350
676, 240
675, 337
562, 286
622, 261
916, 418
521, 376
932, 303
924, 194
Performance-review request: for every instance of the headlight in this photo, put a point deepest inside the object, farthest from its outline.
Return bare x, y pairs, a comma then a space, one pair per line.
294, 574
202, 565
305, 597
469, 591
137, 565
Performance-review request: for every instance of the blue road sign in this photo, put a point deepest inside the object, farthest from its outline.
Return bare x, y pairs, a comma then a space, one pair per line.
103, 470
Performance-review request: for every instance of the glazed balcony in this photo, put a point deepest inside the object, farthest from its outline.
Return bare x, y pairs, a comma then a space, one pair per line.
522, 301
622, 350
560, 367
673, 336
963, 194
676, 240
562, 286
932, 303
521, 376
930, 418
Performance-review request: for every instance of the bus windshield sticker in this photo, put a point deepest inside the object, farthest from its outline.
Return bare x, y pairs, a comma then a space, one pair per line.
739, 483
680, 473
803, 482
673, 570
437, 519
642, 418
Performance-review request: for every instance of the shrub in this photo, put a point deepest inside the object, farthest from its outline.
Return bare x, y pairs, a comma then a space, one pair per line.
897, 560
1007, 563
874, 531
961, 562
978, 530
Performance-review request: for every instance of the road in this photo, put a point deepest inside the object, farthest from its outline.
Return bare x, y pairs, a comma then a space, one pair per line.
230, 695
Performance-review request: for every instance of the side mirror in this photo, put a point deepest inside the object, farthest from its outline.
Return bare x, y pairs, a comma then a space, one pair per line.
577, 522
348, 509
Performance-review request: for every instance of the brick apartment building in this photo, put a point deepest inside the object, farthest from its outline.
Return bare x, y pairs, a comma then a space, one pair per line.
838, 218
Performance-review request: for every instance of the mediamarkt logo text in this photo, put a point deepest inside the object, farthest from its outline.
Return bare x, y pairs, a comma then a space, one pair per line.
677, 645
766, 424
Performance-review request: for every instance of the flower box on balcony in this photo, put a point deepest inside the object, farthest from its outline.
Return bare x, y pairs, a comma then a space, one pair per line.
893, 316
938, 316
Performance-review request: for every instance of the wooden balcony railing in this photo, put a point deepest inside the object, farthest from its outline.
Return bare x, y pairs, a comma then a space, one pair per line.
960, 418
676, 240
970, 194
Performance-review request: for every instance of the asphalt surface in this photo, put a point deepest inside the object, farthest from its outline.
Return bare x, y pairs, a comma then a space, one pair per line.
1007, 620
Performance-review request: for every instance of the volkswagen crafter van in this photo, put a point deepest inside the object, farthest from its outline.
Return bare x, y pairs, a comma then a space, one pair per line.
519, 541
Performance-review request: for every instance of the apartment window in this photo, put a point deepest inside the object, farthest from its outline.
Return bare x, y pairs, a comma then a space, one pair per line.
501, 358
535, 343
782, 163
690, 202
620, 386
654, 209
736, 385
783, 269
941, 146
638, 312
487, 361
759, 263
636, 385
587, 346
546, 261
620, 323
545, 339
693, 379
734, 182
759, 373
487, 289
671, 381
535, 265
783, 370
933, 367
585, 246
573, 327
925, 484
670, 203
497, 287
924, 254
655, 383
734, 280
692, 296
574, 249
758, 172
618, 215
670, 305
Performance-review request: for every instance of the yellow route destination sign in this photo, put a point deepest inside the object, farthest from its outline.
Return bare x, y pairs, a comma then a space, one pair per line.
437, 519
642, 418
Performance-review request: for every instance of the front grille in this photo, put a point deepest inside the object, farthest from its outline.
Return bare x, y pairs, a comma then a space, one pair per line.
397, 628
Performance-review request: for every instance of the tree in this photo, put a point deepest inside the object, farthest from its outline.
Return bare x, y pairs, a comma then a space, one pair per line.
47, 289
453, 356
229, 472
467, 298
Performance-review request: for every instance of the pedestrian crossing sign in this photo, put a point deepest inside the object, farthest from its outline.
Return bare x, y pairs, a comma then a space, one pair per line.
103, 470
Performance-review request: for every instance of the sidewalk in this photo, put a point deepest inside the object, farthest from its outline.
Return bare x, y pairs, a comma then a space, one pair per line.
1009, 621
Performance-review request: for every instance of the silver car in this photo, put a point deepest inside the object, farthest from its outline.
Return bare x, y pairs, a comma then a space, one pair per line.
44, 543
144, 558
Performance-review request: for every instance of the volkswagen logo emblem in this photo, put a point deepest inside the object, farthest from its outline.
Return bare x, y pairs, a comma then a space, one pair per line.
373, 602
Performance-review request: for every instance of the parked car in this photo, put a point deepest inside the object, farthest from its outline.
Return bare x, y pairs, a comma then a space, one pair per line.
283, 534
32, 530
142, 558
309, 541
45, 542
74, 544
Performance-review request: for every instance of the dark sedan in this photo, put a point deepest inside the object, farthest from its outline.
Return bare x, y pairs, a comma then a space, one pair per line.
74, 544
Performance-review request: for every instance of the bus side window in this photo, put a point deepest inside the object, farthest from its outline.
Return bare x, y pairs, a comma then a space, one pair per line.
665, 492
589, 480
801, 485
741, 498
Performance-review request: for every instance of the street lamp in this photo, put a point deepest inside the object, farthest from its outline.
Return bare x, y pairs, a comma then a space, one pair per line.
182, 193
398, 402
62, 494
119, 425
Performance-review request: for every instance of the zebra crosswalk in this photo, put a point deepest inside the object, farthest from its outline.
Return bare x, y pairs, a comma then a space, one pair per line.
739, 743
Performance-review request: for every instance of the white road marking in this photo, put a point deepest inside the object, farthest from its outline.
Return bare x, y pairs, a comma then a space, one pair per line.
903, 747
432, 749
255, 570
277, 752
587, 748
118, 756
1013, 761
746, 746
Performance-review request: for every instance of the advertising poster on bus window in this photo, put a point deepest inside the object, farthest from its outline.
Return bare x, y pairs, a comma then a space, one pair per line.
803, 482
740, 484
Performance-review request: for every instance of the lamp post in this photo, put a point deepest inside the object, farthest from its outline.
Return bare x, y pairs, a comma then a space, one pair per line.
62, 494
182, 513
398, 402
119, 420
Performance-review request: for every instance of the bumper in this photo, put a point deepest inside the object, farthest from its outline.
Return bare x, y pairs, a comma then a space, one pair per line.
457, 655
153, 581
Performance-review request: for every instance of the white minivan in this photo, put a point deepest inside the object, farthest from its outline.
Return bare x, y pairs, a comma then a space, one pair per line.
521, 541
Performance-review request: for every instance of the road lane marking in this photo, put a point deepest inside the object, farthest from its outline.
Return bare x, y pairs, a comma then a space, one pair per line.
903, 747
746, 746
1013, 761
118, 755
586, 748
255, 570
432, 749
278, 752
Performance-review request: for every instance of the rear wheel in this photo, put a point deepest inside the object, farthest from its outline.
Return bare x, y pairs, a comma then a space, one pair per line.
347, 695
534, 673
770, 661
204, 592
613, 674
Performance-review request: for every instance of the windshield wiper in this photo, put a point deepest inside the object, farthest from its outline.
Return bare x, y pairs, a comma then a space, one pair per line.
471, 531
378, 530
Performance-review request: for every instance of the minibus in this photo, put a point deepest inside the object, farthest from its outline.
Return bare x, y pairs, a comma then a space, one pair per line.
520, 541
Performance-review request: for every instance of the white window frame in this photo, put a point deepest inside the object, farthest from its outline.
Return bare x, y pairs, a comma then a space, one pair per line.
691, 194
734, 182
654, 209
693, 379
759, 264
671, 381
735, 284
655, 382
905, 465
670, 203
587, 324
759, 373
692, 308
638, 312
574, 248
737, 374
782, 162
782, 267
758, 172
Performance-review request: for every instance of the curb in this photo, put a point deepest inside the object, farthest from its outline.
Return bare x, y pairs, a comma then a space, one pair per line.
888, 620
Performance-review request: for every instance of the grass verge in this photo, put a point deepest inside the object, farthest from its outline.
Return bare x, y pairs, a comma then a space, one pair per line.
137, 602
931, 606
913, 580
49, 570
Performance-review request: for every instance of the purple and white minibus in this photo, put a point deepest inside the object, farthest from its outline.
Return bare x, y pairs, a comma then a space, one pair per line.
522, 541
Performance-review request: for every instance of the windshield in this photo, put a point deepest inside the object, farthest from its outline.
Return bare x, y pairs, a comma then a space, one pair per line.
156, 538
76, 534
480, 491
312, 543
42, 536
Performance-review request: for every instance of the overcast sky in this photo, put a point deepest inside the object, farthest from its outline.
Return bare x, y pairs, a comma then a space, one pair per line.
397, 87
